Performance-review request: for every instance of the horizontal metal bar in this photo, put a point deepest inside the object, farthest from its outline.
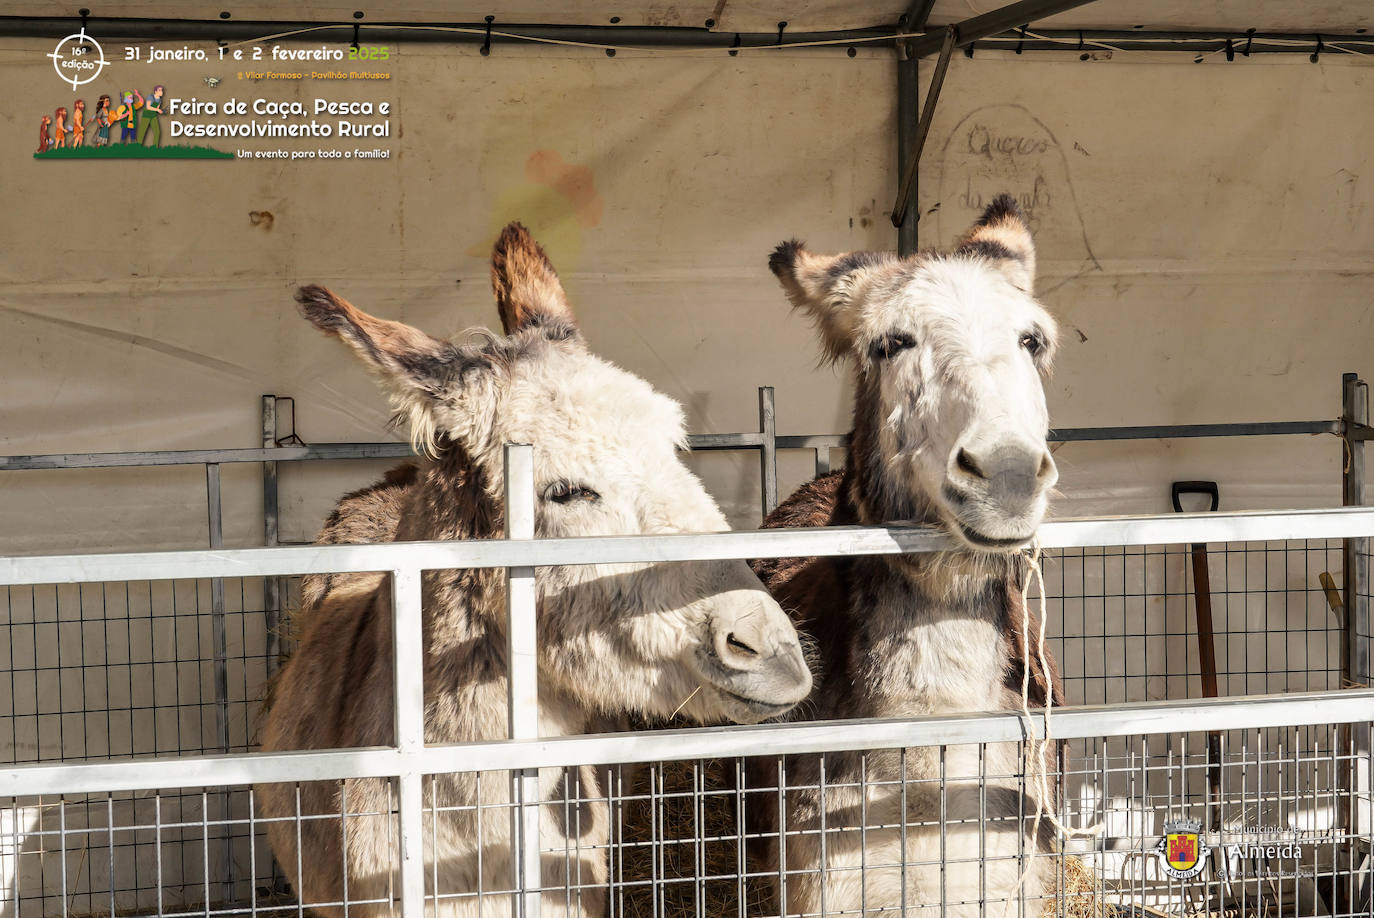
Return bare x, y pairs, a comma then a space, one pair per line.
1234, 713
813, 441
1238, 37
1180, 431
725, 441
319, 451
991, 23
1128, 719
1181, 41
313, 452
1162, 529
720, 441
442, 32
200, 771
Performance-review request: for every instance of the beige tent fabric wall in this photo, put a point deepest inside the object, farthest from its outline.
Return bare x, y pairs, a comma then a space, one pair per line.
143, 309
1203, 235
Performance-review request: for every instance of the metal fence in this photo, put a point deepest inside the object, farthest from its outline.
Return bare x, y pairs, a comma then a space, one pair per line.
151, 834
166, 655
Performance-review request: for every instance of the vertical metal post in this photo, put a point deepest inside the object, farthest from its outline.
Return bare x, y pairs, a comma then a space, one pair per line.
768, 453
215, 524
1355, 410
907, 89
271, 586
408, 664
1355, 562
822, 461
523, 682
906, 201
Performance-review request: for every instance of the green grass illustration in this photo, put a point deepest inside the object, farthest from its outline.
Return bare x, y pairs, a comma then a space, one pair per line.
134, 151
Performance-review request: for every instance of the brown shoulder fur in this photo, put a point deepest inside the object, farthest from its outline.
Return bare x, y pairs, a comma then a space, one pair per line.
813, 504
363, 517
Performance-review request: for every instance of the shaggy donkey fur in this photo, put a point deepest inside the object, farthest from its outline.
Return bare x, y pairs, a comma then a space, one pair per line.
613, 639
949, 429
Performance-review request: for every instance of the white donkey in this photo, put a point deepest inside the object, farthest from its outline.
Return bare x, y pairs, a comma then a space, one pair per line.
614, 639
949, 429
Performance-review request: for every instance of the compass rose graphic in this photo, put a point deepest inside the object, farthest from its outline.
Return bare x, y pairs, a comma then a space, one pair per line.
78, 58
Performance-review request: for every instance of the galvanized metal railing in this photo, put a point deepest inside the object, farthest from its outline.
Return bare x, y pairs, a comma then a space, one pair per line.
517, 554
409, 759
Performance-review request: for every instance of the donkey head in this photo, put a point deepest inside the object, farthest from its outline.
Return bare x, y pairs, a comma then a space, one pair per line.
621, 638
950, 419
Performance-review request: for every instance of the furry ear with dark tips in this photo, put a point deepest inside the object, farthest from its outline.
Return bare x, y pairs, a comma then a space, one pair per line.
824, 287
528, 291
1002, 235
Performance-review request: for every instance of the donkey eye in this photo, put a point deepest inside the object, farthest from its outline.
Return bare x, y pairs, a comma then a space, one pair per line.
888, 345
565, 492
1032, 343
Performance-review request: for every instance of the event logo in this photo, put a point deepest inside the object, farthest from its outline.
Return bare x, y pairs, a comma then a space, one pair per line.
1182, 855
78, 59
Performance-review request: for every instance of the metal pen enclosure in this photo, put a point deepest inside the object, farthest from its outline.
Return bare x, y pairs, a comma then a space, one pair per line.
1282, 750
176, 668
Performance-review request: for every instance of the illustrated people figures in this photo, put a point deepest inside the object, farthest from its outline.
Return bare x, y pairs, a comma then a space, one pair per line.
78, 130
101, 120
126, 115
136, 116
152, 107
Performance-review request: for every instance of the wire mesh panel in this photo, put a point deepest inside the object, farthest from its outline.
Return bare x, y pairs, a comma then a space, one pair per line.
940, 829
1269, 827
107, 670
147, 853
161, 852
944, 832
96, 670
1122, 621
126, 668
962, 822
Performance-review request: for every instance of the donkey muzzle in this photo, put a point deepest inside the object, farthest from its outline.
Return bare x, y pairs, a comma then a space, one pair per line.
996, 490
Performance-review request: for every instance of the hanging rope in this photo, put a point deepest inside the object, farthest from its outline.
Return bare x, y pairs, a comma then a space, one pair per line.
1035, 764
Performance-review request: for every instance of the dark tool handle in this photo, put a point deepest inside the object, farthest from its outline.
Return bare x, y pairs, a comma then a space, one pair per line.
1209, 488
1206, 644
1202, 603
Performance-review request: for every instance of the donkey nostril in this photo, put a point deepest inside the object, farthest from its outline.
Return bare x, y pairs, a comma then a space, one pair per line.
1046, 467
966, 464
738, 645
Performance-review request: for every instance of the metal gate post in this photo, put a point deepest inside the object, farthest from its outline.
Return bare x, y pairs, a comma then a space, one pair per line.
271, 586
214, 506
408, 687
523, 682
1355, 564
906, 210
1355, 411
768, 450
907, 88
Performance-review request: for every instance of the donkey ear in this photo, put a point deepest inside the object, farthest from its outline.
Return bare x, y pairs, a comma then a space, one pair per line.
826, 286
416, 369
403, 357
528, 292
1002, 236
